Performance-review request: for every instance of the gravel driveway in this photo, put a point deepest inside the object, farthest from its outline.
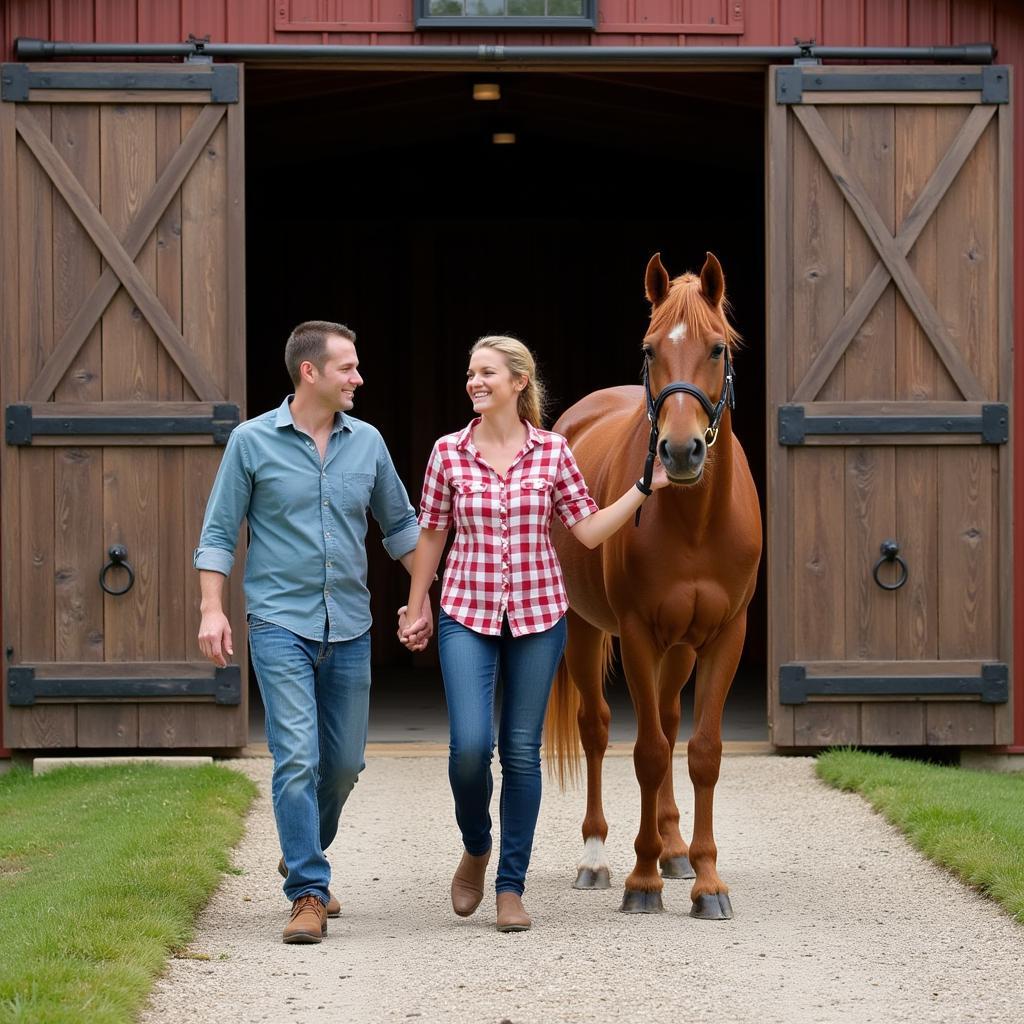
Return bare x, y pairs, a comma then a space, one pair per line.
837, 919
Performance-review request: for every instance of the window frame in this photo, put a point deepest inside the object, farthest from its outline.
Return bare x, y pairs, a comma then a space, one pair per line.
425, 20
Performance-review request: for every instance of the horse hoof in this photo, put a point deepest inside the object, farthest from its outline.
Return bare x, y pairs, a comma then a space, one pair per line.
637, 901
713, 906
677, 867
593, 878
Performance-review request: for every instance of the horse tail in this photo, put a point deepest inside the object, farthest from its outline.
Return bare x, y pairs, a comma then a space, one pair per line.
561, 731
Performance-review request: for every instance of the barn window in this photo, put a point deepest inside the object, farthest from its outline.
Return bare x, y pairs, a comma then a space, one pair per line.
506, 13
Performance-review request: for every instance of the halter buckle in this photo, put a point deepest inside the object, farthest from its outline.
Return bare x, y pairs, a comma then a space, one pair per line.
711, 436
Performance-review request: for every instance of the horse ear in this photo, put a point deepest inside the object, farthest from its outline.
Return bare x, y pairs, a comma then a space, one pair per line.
656, 281
712, 280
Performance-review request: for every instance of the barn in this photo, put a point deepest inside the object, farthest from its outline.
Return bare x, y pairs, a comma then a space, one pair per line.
184, 181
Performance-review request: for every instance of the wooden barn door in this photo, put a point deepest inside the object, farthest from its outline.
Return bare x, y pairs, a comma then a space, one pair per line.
889, 378
122, 373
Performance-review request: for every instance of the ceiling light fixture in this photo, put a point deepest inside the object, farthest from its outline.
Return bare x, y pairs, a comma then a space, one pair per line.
504, 138
486, 91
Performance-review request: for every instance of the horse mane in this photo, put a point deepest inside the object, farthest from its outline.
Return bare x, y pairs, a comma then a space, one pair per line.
686, 304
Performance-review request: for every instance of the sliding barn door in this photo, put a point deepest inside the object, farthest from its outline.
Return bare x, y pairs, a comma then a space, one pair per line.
121, 234
889, 381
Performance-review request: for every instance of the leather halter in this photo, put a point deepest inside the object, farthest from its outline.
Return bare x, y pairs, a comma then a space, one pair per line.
714, 412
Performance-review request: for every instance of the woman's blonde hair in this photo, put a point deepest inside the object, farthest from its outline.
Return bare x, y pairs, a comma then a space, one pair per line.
521, 363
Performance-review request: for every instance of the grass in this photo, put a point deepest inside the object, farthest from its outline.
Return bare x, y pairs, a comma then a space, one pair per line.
102, 874
969, 822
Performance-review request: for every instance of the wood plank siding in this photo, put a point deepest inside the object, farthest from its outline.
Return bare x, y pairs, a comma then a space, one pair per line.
636, 23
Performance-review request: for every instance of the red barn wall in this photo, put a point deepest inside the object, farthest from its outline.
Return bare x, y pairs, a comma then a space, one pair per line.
620, 23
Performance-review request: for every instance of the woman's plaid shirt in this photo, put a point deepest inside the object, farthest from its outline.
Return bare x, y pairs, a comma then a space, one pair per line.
502, 561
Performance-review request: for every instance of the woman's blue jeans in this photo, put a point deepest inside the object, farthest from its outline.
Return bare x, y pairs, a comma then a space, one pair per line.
317, 697
470, 663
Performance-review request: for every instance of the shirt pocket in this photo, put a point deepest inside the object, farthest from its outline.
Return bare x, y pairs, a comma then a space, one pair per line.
468, 487
356, 489
470, 500
534, 496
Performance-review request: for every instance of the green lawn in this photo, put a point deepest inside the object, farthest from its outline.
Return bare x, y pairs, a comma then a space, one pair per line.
102, 874
969, 822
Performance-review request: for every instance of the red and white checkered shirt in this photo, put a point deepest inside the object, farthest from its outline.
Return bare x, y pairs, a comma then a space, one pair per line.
502, 561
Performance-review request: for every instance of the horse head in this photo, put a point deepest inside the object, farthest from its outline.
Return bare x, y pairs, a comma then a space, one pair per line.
687, 366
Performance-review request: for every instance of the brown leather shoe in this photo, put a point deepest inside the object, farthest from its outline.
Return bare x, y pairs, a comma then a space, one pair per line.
511, 915
468, 883
333, 906
308, 922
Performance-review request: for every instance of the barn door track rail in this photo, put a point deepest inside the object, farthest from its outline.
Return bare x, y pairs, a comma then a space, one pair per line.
668, 56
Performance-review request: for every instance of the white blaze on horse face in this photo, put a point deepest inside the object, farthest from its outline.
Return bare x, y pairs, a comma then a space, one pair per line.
593, 855
678, 333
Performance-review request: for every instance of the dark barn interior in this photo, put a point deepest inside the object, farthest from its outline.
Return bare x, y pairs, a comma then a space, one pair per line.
381, 199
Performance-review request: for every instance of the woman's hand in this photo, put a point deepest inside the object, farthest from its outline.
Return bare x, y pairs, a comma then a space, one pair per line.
660, 478
415, 635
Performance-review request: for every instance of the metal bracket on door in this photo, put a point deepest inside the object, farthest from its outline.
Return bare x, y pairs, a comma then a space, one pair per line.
23, 424
993, 425
993, 83
18, 80
796, 686
24, 687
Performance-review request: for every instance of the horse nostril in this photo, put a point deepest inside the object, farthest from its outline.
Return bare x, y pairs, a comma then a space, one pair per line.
695, 452
663, 452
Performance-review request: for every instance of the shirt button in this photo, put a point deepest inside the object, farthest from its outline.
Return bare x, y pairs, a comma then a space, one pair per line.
326, 504
328, 565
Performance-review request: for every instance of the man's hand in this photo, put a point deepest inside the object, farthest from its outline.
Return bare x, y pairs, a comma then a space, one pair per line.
215, 638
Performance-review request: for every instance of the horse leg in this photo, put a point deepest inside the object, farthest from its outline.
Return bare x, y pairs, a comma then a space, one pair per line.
651, 755
585, 660
718, 661
675, 671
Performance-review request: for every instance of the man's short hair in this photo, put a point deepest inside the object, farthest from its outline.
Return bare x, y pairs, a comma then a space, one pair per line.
308, 343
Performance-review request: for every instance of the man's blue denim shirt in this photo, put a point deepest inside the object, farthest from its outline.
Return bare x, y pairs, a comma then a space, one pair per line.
307, 521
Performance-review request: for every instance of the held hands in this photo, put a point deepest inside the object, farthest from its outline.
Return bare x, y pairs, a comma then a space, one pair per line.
416, 635
215, 638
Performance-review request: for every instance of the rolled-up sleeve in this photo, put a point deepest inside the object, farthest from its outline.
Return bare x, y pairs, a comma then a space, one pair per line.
390, 506
436, 499
572, 500
228, 504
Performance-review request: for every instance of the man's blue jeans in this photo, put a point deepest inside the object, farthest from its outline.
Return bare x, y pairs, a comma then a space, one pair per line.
470, 663
317, 697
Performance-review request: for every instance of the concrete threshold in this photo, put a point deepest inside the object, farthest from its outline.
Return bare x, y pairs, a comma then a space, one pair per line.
41, 765
730, 748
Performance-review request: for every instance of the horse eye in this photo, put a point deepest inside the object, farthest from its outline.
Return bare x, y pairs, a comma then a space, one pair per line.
648, 352
716, 352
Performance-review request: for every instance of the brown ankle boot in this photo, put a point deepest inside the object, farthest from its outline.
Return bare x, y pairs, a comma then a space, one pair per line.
468, 883
511, 915
308, 922
333, 906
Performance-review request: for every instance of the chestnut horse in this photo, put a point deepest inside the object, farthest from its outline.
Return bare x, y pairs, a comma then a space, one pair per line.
674, 589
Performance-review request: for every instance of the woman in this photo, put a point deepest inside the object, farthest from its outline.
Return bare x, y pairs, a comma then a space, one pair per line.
503, 603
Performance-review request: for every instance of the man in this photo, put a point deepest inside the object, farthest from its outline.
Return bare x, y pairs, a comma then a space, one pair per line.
304, 476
